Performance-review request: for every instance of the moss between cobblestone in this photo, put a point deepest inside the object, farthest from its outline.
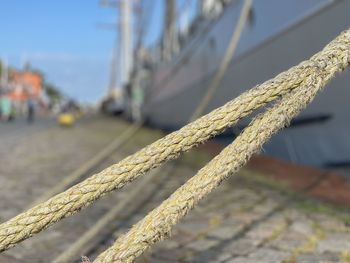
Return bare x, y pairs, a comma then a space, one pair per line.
299, 199
315, 206
277, 231
345, 256
310, 245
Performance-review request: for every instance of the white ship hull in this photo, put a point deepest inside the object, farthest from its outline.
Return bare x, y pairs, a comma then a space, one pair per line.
279, 35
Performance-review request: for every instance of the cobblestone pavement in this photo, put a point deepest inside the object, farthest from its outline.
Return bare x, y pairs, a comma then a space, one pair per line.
247, 219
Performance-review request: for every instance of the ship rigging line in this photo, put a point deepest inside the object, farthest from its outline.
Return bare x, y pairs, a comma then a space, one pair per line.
227, 58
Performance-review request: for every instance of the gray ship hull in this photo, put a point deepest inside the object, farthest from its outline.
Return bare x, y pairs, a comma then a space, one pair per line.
280, 35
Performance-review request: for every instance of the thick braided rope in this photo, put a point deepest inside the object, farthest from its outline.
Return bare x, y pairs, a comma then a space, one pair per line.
116, 176
69, 254
158, 223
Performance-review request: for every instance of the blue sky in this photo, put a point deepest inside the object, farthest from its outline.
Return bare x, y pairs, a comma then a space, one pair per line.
62, 39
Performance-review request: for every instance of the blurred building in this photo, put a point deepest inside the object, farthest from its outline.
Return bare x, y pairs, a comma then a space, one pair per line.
24, 85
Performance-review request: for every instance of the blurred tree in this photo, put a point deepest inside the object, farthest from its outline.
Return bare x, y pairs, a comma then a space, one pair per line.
53, 92
1, 68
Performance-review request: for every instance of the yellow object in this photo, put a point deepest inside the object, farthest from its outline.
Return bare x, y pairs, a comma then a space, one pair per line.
66, 119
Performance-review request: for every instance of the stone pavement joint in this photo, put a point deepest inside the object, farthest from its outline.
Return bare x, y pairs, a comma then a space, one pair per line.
245, 220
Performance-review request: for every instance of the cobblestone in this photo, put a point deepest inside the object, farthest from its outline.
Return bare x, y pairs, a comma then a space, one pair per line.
241, 247
225, 232
318, 258
303, 227
288, 241
268, 255
202, 244
243, 221
335, 243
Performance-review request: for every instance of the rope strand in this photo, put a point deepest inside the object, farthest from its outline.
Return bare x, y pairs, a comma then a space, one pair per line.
157, 224
333, 58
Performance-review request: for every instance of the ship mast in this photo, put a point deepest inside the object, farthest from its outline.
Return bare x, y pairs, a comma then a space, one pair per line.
122, 55
114, 75
126, 40
170, 44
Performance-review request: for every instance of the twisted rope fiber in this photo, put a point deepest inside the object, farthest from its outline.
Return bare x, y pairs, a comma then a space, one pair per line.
116, 176
69, 254
158, 223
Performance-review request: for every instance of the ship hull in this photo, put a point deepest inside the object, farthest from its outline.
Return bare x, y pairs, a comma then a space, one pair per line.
320, 134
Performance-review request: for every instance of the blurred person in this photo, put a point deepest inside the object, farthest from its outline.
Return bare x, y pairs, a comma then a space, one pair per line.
30, 110
5, 107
